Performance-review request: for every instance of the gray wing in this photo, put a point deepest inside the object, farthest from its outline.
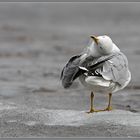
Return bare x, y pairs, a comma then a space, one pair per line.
70, 70
116, 69
111, 67
74, 68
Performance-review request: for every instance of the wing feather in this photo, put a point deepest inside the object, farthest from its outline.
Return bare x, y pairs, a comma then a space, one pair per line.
70, 70
116, 69
111, 67
74, 69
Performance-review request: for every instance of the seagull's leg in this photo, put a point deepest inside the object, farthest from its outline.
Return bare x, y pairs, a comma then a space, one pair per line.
91, 103
109, 107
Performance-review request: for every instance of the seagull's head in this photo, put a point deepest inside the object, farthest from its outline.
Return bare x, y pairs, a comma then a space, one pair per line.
103, 44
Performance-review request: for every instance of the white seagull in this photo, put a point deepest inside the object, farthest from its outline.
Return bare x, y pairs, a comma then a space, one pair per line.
102, 67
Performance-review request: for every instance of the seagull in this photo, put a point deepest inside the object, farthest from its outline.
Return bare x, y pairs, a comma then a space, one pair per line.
101, 67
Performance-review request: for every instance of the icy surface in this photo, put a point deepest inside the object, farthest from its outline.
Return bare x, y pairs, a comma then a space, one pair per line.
18, 121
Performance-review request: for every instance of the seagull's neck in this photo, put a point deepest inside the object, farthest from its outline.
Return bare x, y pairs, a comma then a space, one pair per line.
115, 48
90, 51
93, 51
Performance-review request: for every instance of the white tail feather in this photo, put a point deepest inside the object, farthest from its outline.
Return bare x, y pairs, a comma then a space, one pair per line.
94, 80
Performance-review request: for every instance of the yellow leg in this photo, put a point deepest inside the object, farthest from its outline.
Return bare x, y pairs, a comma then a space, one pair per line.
109, 107
91, 103
92, 109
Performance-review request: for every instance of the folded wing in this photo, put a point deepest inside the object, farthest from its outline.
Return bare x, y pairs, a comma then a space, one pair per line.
74, 68
112, 67
116, 69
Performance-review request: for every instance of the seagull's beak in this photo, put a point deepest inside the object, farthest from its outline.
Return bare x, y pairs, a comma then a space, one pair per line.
95, 39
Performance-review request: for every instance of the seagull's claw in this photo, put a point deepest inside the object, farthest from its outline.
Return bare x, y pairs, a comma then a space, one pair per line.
91, 111
109, 108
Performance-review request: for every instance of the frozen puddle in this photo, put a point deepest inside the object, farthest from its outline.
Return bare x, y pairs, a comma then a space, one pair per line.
32, 116
77, 118
19, 120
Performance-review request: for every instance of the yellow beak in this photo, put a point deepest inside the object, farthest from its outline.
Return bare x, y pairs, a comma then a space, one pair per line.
95, 39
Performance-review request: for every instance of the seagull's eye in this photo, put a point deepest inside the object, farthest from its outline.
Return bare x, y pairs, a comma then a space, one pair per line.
100, 47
